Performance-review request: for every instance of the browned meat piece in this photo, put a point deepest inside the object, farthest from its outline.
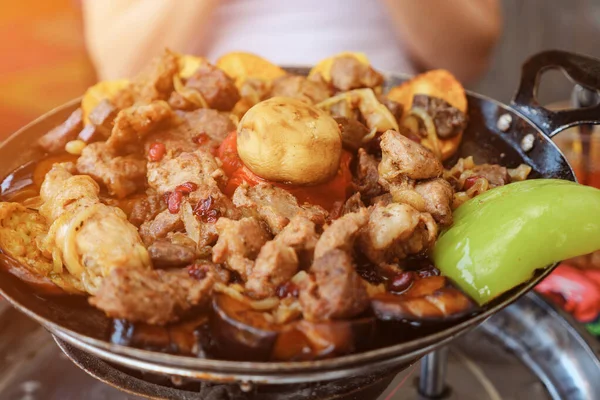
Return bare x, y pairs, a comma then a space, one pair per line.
367, 175
156, 81
348, 73
428, 298
280, 258
395, 231
207, 205
198, 129
239, 243
342, 233
160, 226
275, 206
448, 121
93, 133
103, 114
56, 139
122, 175
102, 119
353, 204
276, 264
134, 123
395, 108
215, 86
402, 158
352, 131
496, 175
301, 88
336, 292
437, 195
345, 109
166, 254
146, 208
199, 168
154, 297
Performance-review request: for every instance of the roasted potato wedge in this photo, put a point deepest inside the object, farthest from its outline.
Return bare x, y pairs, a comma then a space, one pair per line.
240, 66
437, 83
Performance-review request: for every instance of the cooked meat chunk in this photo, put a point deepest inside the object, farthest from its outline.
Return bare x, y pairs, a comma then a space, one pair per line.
353, 132
153, 297
156, 81
207, 205
93, 133
215, 86
342, 233
402, 158
56, 139
239, 243
164, 223
395, 231
166, 254
395, 108
199, 129
437, 195
353, 204
275, 206
122, 175
301, 88
72, 200
280, 258
199, 168
348, 73
276, 264
367, 175
336, 291
103, 114
146, 208
496, 175
448, 121
134, 123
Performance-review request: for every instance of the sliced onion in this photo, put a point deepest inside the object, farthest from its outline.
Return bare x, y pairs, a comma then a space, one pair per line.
191, 95
376, 115
432, 137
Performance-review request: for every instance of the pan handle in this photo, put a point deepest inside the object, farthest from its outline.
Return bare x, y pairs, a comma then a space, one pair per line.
582, 70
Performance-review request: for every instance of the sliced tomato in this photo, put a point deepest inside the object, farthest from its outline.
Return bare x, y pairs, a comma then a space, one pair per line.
326, 195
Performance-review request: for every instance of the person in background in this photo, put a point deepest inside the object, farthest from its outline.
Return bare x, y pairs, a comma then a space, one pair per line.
397, 35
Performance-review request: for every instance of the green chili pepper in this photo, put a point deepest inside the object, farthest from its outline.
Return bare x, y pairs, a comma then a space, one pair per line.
502, 236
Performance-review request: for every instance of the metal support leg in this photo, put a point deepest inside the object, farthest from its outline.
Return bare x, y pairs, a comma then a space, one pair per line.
432, 382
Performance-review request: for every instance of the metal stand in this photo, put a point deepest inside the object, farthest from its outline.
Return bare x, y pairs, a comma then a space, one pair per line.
432, 382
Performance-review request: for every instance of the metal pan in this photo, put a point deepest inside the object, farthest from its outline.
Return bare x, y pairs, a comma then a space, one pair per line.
497, 133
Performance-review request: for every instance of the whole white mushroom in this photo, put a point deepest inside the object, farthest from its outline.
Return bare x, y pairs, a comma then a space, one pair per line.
285, 140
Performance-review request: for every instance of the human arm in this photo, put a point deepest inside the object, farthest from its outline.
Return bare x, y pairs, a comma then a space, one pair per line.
123, 35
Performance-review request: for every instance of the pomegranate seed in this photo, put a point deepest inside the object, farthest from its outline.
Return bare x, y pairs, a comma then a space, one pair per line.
206, 211
186, 188
197, 271
470, 181
156, 152
174, 202
401, 282
286, 290
202, 138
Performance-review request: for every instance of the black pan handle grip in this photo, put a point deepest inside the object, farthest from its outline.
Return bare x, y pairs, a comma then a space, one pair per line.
582, 70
